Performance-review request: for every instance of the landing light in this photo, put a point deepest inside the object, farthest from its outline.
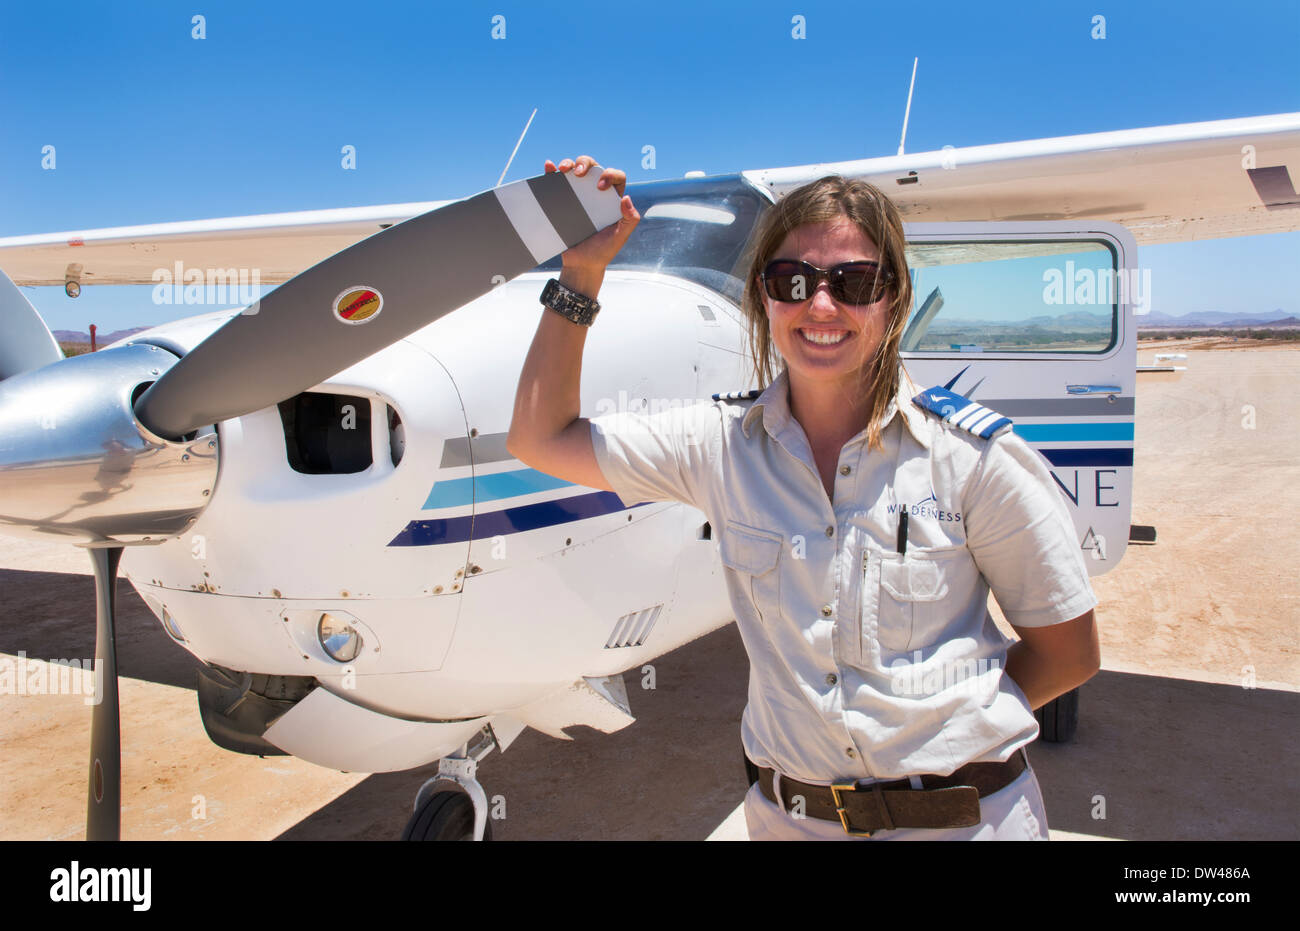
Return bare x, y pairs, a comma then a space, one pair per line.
339, 639
170, 625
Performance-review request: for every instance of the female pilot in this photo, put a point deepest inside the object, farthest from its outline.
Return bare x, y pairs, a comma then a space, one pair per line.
862, 523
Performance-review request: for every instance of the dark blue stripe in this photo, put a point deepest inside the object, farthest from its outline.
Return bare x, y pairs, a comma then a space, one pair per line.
1089, 457
511, 520
953, 381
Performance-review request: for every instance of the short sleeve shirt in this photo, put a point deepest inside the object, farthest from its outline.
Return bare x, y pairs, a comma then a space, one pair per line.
865, 663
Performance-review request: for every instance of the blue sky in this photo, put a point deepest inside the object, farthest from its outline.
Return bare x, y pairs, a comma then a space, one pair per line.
152, 125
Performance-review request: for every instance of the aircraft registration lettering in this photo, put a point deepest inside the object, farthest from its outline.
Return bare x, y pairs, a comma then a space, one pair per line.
1072, 491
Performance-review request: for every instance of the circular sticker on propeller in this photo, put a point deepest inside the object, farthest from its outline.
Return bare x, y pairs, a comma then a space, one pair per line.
358, 305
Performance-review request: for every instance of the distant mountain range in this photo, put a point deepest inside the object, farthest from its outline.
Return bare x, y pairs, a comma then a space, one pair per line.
101, 339
1216, 318
1076, 318
1083, 319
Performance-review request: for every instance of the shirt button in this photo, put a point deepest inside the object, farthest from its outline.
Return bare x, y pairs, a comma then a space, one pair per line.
845, 470
831, 679
826, 611
830, 531
850, 752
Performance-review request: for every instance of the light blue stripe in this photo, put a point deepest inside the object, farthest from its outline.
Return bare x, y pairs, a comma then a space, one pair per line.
1065, 432
458, 492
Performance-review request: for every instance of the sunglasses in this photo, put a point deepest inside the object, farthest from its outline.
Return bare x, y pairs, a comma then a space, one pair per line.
794, 282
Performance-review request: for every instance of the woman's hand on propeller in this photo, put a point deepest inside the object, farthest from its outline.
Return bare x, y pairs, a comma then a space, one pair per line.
585, 263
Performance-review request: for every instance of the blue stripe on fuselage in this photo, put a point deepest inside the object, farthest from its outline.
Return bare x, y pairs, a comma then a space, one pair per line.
458, 492
511, 520
1069, 432
1088, 457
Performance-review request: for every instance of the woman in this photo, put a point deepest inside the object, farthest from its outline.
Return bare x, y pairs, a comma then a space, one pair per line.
860, 530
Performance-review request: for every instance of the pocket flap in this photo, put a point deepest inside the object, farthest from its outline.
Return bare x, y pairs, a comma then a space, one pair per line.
913, 579
750, 551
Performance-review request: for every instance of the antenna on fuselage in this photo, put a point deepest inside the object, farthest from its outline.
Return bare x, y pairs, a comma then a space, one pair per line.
908, 111
516, 149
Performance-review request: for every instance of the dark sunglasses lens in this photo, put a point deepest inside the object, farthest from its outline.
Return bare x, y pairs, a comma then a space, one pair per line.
862, 284
787, 281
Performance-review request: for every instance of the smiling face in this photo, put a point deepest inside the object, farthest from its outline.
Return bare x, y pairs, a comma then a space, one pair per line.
824, 342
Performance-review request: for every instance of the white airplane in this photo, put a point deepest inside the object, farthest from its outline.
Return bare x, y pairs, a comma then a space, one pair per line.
314, 496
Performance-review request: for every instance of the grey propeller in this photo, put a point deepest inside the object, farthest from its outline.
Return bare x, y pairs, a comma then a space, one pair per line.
315, 325
372, 294
28, 343
104, 805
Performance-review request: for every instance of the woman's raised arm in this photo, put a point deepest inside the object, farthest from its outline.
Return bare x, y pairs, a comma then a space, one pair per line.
546, 431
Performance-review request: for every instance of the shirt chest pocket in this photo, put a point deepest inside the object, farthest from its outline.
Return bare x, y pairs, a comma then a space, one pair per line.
916, 596
753, 555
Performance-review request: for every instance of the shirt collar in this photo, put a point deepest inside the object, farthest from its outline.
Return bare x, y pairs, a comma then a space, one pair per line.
773, 406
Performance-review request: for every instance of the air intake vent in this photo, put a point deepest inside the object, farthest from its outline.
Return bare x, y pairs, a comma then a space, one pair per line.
327, 433
631, 630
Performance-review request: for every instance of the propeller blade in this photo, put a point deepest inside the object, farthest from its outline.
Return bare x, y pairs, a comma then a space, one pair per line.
104, 807
372, 294
25, 341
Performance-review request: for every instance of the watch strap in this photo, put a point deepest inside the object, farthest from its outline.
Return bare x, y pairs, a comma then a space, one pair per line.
570, 304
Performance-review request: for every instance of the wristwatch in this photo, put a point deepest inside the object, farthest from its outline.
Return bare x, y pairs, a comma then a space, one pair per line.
570, 304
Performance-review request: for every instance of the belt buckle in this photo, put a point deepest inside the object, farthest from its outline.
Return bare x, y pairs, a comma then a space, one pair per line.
836, 789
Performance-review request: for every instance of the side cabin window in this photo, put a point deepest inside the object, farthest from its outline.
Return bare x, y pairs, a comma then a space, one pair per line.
1015, 297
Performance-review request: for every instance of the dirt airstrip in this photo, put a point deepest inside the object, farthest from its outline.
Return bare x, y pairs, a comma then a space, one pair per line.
1188, 732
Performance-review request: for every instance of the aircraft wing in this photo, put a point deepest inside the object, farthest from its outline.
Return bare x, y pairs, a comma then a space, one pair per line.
1164, 183
278, 245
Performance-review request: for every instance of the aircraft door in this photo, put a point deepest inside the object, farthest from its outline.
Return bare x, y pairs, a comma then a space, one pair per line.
1035, 320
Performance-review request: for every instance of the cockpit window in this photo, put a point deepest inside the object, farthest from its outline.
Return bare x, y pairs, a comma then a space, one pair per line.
695, 228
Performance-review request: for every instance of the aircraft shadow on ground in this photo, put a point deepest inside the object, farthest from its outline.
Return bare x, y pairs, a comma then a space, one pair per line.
1175, 759
51, 615
1172, 759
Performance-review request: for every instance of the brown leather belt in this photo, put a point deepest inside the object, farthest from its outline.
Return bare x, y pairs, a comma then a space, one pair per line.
945, 801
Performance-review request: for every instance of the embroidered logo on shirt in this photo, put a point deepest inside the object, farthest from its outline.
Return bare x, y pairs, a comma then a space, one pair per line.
927, 508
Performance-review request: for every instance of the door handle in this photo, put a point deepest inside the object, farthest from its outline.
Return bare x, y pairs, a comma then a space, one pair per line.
1110, 390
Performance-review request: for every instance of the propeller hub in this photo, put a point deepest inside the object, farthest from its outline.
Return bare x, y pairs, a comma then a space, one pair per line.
77, 465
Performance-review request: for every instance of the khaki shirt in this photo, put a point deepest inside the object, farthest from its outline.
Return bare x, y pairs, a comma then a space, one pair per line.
864, 663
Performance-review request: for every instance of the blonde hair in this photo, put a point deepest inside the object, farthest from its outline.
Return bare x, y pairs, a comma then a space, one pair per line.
826, 199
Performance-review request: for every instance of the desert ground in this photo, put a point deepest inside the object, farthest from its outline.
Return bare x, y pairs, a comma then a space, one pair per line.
1188, 732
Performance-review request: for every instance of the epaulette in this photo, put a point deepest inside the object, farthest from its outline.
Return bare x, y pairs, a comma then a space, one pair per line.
749, 395
961, 412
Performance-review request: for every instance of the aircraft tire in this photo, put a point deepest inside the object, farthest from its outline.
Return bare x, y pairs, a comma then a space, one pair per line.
1058, 719
445, 816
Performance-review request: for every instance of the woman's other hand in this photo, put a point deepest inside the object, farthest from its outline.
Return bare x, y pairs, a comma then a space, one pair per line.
585, 263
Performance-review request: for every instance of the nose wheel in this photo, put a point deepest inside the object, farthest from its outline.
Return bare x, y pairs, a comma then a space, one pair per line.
445, 815
452, 805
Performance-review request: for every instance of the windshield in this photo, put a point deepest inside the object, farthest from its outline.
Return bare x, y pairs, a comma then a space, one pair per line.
696, 228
